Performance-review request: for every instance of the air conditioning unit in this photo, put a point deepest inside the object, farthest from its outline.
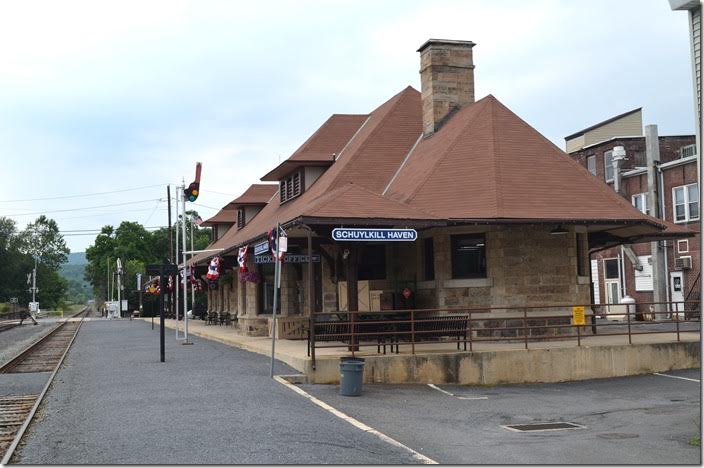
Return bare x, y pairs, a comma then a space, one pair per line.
683, 263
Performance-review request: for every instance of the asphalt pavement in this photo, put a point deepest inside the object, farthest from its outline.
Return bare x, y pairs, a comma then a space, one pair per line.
647, 419
113, 402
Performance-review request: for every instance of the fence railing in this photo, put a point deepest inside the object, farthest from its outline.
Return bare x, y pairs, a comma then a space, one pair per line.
469, 327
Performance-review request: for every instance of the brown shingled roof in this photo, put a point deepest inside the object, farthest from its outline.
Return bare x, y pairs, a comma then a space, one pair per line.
330, 138
221, 217
370, 159
485, 165
256, 194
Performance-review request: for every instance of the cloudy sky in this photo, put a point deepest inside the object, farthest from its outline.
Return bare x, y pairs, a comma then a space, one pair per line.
128, 95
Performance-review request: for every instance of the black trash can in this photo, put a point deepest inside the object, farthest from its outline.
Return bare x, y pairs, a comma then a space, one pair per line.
351, 376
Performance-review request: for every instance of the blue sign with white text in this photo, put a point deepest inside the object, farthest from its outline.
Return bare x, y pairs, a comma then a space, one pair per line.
381, 235
261, 248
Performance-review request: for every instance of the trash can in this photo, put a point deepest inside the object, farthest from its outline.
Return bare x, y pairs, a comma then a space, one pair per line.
351, 374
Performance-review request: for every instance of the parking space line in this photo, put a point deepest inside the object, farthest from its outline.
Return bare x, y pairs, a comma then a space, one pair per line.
453, 395
440, 390
676, 377
358, 424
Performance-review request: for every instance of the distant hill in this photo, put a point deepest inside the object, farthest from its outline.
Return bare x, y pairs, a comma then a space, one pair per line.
79, 289
77, 258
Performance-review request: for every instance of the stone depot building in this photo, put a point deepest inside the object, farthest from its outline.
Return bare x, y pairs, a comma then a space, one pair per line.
504, 218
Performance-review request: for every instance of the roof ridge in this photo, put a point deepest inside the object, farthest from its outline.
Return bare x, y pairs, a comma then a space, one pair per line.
436, 166
393, 102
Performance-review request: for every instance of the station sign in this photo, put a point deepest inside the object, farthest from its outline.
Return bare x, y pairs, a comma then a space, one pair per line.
288, 258
261, 248
379, 235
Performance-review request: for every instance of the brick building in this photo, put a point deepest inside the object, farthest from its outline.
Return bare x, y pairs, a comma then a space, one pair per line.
628, 269
503, 217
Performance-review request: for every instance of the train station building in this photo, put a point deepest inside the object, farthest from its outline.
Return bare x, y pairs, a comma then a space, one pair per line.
499, 216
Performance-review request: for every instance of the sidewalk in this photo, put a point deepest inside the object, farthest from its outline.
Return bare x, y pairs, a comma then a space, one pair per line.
648, 353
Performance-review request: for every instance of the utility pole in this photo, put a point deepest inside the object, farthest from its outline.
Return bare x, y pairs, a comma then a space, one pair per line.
185, 285
193, 293
171, 244
119, 288
33, 307
652, 153
176, 285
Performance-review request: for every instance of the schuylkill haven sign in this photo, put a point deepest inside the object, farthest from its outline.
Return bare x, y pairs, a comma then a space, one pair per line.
365, 234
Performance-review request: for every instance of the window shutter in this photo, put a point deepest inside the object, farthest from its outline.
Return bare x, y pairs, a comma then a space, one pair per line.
296, 184
240, 218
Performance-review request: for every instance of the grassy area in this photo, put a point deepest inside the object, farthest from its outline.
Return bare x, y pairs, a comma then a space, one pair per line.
696, 441
70, 309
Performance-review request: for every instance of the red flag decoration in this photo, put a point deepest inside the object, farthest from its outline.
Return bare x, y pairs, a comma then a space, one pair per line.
213, 272
242, 258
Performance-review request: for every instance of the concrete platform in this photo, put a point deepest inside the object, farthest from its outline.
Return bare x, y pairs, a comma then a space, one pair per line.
488, 364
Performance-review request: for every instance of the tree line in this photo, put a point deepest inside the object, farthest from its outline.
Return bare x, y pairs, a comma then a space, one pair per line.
136, 247
40, 241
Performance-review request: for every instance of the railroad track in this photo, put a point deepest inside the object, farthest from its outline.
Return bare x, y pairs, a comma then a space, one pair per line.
45, 355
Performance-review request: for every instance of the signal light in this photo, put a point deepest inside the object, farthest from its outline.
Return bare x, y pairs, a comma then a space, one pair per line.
192, 191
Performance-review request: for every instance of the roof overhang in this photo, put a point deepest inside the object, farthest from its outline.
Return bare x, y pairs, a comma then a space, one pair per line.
288, 166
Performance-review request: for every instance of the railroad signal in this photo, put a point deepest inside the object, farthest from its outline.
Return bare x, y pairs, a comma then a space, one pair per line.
192, 191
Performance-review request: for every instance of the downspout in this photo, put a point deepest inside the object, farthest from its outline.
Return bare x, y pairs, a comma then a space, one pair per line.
661, 179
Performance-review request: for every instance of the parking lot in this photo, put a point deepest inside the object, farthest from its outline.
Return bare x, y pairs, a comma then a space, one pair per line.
647, 419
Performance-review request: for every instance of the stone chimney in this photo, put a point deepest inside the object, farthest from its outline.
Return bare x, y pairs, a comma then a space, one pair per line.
446, 79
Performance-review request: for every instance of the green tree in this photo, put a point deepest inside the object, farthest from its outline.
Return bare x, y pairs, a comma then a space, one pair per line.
42, 240
16, 261
98, 255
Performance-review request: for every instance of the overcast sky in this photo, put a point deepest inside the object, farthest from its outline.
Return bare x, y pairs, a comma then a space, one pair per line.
104, 96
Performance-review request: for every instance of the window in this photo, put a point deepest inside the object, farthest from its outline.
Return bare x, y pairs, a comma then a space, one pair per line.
240, 218
682, 246
428, 259
591, 164
608, 165
685, 202
640, 201
372, 264
687, 151
582, 255
611, 268
468, 256
291, 186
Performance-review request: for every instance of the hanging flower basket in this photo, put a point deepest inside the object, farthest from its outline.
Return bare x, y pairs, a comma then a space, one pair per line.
250, 277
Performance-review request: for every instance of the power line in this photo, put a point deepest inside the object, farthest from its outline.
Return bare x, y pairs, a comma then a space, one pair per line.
84, 195
83, 208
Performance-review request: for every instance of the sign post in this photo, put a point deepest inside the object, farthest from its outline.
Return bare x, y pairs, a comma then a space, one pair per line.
279, 247
163, 271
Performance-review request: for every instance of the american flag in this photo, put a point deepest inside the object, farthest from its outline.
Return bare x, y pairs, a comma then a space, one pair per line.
197, 220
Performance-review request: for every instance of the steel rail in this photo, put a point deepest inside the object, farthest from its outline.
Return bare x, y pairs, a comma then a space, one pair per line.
20, 433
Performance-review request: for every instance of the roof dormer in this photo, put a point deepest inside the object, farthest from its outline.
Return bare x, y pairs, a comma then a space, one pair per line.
296, 174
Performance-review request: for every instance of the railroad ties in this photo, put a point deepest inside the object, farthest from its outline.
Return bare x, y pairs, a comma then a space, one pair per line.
13, 412
43, 356
46, 354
